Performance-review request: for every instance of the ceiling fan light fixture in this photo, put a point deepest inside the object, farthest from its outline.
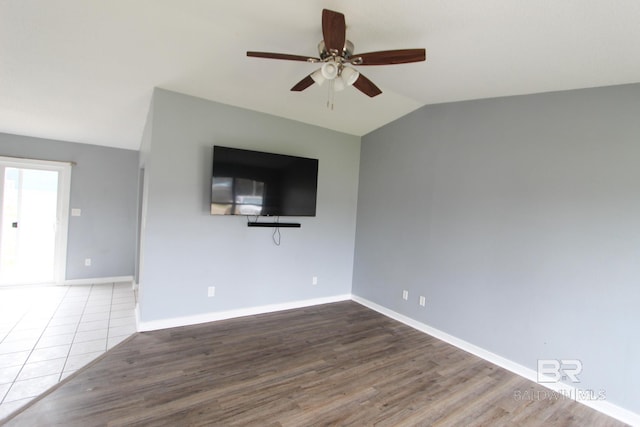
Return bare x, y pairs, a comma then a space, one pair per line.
339, 84
349, 75
329, 70
318, 77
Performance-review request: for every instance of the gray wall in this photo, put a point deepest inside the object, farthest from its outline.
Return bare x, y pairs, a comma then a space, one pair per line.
103, 185
519, 220
184, 249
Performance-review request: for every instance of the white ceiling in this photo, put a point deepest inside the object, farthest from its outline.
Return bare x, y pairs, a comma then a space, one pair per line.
84, 70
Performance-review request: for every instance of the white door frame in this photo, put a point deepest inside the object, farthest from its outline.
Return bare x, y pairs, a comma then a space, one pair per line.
62, 210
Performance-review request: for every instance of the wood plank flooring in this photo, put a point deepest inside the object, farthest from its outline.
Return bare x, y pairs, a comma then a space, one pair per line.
335, 364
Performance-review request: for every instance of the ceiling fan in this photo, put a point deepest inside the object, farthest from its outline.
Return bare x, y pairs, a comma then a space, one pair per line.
336, 55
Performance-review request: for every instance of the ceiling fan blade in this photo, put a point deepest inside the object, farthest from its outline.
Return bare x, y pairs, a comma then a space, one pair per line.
387, 57
333, 30
303, 84
271, 55
366, 86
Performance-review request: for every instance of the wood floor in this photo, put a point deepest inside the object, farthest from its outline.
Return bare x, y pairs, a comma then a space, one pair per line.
335, 364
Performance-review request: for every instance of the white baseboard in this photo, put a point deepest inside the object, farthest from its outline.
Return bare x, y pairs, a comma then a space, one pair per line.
98, 280
603, 406
152, 325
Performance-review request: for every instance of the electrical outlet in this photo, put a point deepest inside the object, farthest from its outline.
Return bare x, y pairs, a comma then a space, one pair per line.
423, 301
87, 262
211, 291
314, 280
405, 295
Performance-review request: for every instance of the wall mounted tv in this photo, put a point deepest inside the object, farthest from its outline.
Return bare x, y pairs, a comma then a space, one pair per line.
246, 182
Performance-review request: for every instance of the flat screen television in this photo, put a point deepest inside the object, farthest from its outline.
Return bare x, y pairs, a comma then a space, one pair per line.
246, 182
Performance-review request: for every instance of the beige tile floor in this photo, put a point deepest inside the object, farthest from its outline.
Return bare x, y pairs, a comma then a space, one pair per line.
49, 332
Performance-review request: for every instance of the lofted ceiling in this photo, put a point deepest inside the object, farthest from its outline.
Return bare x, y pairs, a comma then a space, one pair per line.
84, 71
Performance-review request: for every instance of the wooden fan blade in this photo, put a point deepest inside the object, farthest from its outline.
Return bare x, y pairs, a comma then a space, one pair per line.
333, 30
366, 86
303, 84
387, 57
286, 56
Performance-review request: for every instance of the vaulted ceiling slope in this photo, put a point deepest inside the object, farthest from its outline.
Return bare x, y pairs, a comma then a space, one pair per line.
84, 71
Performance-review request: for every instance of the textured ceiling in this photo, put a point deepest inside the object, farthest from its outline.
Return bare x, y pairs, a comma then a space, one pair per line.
84, 71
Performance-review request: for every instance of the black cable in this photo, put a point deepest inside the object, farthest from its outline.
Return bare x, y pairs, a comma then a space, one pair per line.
276, 236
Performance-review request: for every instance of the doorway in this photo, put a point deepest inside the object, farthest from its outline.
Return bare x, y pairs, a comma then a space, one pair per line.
34, 201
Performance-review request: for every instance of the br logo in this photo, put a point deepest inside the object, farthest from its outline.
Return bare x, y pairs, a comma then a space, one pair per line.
556, 370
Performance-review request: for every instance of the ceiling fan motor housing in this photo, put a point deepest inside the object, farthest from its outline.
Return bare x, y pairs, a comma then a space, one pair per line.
325, 55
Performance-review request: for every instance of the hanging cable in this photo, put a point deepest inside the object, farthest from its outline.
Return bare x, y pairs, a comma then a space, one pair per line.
276, 236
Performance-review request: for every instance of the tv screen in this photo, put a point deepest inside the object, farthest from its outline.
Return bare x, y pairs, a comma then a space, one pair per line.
246, 182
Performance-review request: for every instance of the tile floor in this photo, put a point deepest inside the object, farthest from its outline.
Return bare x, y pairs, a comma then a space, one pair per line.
49, 332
